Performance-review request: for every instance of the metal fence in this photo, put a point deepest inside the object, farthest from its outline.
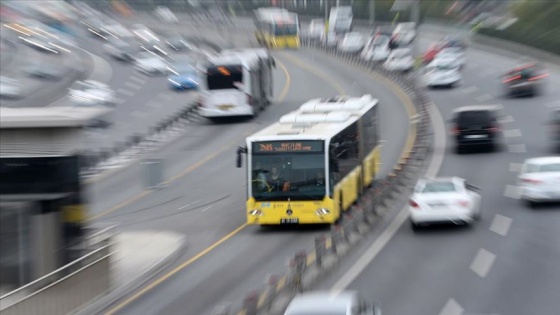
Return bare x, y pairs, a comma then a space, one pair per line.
66, 289
306, 267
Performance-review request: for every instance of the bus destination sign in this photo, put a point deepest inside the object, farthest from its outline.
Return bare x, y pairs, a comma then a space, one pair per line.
288, 146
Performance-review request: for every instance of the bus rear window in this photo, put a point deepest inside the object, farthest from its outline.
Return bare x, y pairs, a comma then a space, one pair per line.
224, 77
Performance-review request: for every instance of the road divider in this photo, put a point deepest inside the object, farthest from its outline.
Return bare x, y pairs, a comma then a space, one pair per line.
306, 268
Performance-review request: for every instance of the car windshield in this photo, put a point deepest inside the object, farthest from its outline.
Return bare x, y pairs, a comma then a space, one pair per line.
438, 187
543, 168
475, 117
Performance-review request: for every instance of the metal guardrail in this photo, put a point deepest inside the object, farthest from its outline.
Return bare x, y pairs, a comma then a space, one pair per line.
69, 287
306, 267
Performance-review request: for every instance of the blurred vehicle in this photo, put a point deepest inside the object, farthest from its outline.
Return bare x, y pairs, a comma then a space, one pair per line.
184, 77
385, 30
90, 92
329, 39
10, 88
451, 56
120, 49
316, 29
431, 53
352, 43
476, 125
149, 63
524, 80
377, 49
399, 60
453, 42
331, 303
166, 14
44, 70
178, 43
341, 20
539, 180
438, 74
404, 33
555, 128
144, 34
444, 200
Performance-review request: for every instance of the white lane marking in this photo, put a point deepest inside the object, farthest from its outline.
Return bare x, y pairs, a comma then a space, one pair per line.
452, 308
517, 148
133, 85
206, 208
165, 97
483, 98
512, 133
469, 90
189, 204
506, 120
501, 225
435, 164
482, 262
515, 167
125, 92
512, 191
138, 79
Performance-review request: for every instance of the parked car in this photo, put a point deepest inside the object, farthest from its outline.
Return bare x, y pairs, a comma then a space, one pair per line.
476, 125
316, 29
444, 200
340, 303
90, 92
452, 56
10, 88
404, 33
539, 180
399, 60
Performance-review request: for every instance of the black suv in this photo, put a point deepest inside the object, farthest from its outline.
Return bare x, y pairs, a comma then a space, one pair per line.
524, 80
476, 125
555, 128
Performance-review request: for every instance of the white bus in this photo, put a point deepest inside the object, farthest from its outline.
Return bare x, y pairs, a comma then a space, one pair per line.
237, 83
313, 163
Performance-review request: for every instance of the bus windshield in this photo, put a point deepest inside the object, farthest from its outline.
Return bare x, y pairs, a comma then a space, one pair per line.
285, 29
224, 77
292, 174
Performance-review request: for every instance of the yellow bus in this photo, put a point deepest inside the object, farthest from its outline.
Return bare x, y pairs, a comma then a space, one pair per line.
313, 164
276, 28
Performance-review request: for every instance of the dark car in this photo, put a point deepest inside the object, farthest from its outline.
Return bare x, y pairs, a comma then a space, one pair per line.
524, 80
555, 128
475, 126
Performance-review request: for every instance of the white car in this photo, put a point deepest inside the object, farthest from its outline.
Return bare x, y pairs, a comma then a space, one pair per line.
166, 14
405, 33
453, 56
539, 180
329, 39
331, 303
316, 29
149, 63
444, 200
10, 88
351, 43
377, 49
91, 93
436, 74
399, 60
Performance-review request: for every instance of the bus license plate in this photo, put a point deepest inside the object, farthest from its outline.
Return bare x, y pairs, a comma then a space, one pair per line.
289, 221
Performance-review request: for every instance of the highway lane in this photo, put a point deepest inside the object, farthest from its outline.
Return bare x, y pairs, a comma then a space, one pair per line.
505, 264
207, 203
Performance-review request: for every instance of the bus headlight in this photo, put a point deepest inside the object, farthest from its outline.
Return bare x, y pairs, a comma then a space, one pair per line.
256, 212
322, 211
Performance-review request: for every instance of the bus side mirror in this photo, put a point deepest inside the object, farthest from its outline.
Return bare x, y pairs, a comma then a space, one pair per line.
238, 161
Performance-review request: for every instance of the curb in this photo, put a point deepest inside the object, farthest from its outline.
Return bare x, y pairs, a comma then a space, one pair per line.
102, 303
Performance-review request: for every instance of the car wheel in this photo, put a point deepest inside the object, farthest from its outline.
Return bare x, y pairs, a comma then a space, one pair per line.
459, 149
532, 204
415, 227
477, 215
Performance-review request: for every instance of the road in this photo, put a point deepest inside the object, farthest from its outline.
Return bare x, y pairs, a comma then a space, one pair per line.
205, 201
505, 264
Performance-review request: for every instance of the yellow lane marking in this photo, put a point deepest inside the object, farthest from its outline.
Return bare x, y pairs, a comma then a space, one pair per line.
174, 271
287, 85
316, 72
